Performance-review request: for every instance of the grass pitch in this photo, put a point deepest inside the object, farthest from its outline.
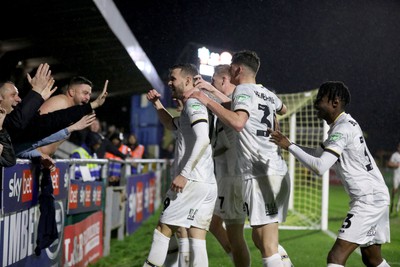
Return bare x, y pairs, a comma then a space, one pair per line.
306, 248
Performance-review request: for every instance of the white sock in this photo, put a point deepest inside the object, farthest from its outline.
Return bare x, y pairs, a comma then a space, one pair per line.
198, 253
383, 264
173, 253
184, 252
273, 261
334, 265
158, 250
284, 256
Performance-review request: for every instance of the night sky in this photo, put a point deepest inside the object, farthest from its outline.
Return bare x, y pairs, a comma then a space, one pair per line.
301, 45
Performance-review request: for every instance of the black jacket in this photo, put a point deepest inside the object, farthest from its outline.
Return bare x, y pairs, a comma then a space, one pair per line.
7, 157
25, 124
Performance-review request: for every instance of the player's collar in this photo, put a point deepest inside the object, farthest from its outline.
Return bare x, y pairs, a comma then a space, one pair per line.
341, 115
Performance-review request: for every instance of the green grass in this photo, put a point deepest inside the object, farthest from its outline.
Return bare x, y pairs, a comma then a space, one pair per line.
306, 248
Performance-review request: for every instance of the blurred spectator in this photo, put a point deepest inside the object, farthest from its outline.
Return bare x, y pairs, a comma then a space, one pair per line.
168, 151
106, 145
136, 151
7, 155
90, 171
394, 163
115, 168
111, 129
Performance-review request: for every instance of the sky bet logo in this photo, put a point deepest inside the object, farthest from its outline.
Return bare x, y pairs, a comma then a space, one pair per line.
73, 196
55, 179
21, 188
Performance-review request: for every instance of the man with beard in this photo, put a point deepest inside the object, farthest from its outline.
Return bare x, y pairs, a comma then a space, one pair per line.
189, 202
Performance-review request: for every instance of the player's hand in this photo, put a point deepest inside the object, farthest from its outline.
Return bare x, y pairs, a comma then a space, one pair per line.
203, 84
279, 139
195, 93
178, 184
153, 96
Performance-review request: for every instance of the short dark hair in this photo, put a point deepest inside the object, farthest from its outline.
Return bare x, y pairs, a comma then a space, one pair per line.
247, 58
334, 89
186, 69
79, 80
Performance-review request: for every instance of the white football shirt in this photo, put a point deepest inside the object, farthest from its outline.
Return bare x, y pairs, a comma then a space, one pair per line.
360, 175
257, 156
193, 153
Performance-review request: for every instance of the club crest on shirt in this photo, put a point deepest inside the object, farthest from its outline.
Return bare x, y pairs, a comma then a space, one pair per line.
195, 106
335, 137
242, 97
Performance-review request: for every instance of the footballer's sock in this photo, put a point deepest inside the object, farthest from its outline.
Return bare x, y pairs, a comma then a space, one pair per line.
284, 256
383, 264
184, 252
158, 250
334, 265
273, 261
198, 252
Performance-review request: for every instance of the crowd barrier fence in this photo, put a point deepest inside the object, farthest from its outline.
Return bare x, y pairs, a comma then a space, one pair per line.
86, 214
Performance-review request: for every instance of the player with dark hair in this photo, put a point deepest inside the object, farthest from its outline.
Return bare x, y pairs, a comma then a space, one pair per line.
367, 222
229, 207
189, 202
266, 182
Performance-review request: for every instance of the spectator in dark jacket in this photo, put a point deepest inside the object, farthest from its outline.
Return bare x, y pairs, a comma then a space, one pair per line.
7, 155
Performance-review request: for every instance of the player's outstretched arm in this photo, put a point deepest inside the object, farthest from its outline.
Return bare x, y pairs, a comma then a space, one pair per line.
164, 116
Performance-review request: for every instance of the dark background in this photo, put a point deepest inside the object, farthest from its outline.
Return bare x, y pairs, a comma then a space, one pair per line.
301, 44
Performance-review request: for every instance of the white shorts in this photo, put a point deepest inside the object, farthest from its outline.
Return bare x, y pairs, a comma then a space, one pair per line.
193, 207
229, 204
267, 199
396, 181
366, 225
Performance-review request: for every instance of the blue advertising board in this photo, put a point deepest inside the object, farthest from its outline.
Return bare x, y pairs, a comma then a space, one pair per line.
20, 185
141, 191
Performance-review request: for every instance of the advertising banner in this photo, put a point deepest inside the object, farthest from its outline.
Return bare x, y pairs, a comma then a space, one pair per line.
84, 196
83, 241
18, 236
21, 186
141, 191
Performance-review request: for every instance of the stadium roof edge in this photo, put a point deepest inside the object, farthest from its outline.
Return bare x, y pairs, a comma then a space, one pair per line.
118, 25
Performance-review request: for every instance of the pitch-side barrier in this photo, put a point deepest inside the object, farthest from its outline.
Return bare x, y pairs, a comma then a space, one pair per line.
86, 213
